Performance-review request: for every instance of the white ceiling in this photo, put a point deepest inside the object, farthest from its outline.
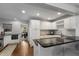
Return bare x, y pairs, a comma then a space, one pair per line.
13, 10
75, 4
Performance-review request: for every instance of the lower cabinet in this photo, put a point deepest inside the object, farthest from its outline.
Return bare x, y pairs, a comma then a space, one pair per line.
7, 39
48, 51
70, 49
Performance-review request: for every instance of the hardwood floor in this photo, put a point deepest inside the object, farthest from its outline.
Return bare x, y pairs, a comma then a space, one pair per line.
23, 49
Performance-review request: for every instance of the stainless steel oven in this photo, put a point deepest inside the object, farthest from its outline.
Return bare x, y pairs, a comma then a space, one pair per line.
14, 36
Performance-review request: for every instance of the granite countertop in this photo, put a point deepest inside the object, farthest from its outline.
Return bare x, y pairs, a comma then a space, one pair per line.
53, 42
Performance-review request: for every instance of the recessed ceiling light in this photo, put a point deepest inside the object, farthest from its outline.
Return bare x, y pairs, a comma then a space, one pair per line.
38, 14
59, 13
23, 11
49, 18
15, 19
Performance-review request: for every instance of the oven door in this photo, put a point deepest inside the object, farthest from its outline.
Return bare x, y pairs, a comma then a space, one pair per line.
14, 37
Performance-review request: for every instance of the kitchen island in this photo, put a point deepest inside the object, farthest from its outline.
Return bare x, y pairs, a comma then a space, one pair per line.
55, 46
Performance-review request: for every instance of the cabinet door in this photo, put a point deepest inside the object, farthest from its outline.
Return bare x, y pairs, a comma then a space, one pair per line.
71, 49
45, 25
7, 40
35, 24
73, 23
53, 25
34, 29
69, 23
60, 24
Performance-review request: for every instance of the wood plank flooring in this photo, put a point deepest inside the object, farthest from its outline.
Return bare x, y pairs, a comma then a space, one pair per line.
23, 49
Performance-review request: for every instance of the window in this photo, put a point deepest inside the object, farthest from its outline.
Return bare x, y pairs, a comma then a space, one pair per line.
7, 27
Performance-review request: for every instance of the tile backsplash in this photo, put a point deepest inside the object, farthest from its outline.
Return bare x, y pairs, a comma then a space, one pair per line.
66, 32
44, 33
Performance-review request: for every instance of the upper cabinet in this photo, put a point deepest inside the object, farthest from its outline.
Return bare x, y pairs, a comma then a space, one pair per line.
7, 27
35, 24
69, 23
53, 25
44, 25
60, 24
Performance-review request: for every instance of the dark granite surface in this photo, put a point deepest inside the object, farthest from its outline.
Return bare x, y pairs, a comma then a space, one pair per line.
56, 42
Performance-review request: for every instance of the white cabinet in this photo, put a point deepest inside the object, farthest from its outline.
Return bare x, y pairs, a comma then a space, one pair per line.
49, 51
60, 24
53, 25
69, 23
67, 26
48, 25
34, 29
45, 25
7, 40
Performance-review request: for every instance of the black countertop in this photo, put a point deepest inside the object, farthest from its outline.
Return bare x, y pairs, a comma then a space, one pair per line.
58, 41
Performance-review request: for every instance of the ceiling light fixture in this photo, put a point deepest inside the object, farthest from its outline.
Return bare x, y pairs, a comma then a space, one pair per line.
49, 18
59, 13
23, 11
15, 19
38, 14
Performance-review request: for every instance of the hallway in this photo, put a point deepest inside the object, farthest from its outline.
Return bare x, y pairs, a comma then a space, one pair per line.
23, 49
